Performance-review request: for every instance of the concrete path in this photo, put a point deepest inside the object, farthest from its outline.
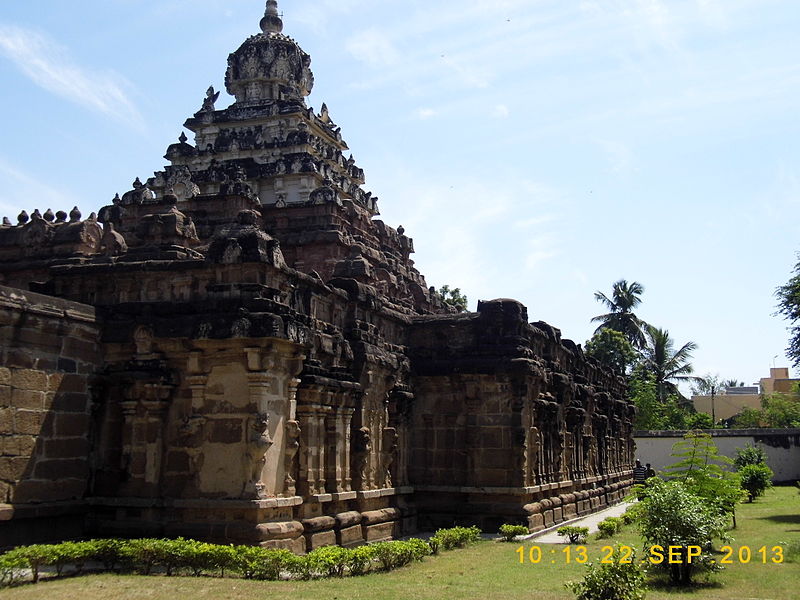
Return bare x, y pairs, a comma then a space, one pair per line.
549, 536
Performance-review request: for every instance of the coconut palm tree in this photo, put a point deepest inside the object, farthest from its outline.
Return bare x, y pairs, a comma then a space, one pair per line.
666, 364
620, 317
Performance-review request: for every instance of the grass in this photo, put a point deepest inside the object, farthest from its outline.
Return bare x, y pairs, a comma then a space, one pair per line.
487, 570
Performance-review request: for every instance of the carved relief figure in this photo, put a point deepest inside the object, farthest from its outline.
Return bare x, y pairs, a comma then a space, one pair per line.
362, 447
290, 454
210, 99
143, 339
257, 445
388, 453
534, 444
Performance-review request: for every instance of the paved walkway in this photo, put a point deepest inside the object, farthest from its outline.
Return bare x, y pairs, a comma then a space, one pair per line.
549, 536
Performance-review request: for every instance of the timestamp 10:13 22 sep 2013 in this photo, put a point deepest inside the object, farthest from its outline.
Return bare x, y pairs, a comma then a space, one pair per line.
657, 555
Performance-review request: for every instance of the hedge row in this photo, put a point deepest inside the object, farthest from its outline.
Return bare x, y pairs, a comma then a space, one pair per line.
190, 557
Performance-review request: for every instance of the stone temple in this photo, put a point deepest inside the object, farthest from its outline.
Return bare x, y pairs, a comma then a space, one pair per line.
238, 350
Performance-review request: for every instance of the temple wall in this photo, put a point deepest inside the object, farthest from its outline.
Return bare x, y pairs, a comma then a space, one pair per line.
50, 351
510, 423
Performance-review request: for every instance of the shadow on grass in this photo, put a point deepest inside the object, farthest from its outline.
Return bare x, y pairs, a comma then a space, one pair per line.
782, 518
663, 584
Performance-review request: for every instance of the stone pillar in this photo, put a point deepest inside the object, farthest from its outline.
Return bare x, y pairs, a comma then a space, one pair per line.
312, 450
337, 425
143, 408
333, 466
345, 420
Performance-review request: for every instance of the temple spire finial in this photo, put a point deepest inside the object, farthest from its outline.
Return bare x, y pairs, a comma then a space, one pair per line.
271, 23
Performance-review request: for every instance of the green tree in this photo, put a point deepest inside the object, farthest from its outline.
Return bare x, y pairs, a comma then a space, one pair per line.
620, 316
705, 472
666, 364
789, 307
749, 455
780, 411
707, 385
749, 418
755, 480
699, 420
671, 515
612, 349
642, 392
652, 412
777, 411
454, 298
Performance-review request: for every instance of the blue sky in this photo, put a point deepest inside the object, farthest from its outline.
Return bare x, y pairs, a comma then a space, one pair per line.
533, 149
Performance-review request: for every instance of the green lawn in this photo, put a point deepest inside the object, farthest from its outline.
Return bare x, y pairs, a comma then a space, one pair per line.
487, 570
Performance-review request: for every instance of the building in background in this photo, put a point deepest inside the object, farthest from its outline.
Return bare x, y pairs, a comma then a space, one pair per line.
734, 400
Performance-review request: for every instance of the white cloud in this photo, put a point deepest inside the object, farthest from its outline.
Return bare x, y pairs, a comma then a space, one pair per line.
465, 227
533, 221
373, 47
425, 113
472, 76
618, 154
47, 64
500, 112
21, 189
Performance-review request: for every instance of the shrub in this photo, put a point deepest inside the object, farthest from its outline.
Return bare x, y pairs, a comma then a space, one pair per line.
509, 532
433, 544
360, 559
614, 581
74, 553
607, 528
109, 552
704, 472
198, 557
672, 516
12, 569
34, 557
749, 455
418, 548
331, 561
457, 537
253, 562
139, 555
755, 480
573, 533
387, 554
171, 554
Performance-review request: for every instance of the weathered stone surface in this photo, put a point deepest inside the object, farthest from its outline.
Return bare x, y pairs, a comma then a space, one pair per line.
256, 359
29, 379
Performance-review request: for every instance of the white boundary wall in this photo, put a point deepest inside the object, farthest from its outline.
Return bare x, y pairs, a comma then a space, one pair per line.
781, 445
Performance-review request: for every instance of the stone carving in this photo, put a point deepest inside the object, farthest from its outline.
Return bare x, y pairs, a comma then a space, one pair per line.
388, 453
362, 447
534, 444
292, 445
143, 340
257, 445
113, 243
210, 99
305, 304
140, 194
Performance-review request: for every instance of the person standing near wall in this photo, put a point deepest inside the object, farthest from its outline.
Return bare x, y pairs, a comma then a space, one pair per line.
639, 473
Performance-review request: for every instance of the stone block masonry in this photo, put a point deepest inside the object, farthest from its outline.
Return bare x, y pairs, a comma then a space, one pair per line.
256, 359
47, 348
